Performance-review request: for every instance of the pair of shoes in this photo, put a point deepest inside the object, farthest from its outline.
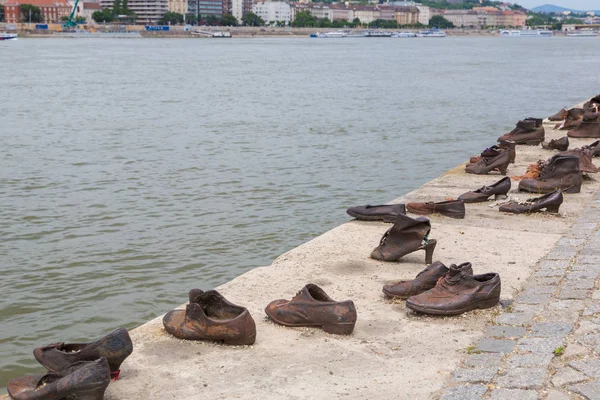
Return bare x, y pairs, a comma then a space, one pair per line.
495, 150
77, 370
498, 190
406, 236
439, 290
561, 144
559, 172
529, 131
550, 202
313, 307
589, 126
498, 160
390, 213
209, 316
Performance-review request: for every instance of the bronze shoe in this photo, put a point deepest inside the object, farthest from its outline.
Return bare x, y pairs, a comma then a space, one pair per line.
313, 307
424, 281
209, 316
593, 148
458, 292
559, 116
561, 144
487, 165
495, 150
550, 202
528, 131
115, 347
498, 190
560, 172
589, 127
385, 213
406, 236
574, 117
452, 208
585, 159
83, 380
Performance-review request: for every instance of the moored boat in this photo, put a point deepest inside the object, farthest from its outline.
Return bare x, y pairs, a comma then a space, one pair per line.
431, 33
378, 34
404, 34
337, 34
582, 33
8, 36
526, 33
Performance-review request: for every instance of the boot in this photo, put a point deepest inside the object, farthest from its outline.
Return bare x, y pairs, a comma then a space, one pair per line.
551, 202
498, 189
572, 121
593, 105
424, 281
559, 116
589, 127
528, 131
406, 236
486, 165
561, 144
82, 380
593, 148
452, 208
585, 159
560, 172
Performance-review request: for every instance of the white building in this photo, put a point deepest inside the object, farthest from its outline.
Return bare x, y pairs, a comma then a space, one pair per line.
273, 11
147, 11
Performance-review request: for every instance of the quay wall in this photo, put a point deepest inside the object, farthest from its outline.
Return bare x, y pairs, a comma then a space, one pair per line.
393, 352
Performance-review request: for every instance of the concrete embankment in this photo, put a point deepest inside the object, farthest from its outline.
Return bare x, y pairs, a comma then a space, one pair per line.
393, 352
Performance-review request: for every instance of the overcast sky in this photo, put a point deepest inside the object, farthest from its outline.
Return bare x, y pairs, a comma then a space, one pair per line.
574, 4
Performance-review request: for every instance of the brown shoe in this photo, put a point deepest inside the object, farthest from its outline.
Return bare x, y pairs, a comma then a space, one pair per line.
550, 202
559, 116
424, 281
495, 150
83, 380
487, 165
588, 128
585, 159
312, 307
528, 131
406, 236
385, 213
498, 190
560, 172
594, 148
115, 347
458, 292
574, 117
561, 144
452, 208
209, 316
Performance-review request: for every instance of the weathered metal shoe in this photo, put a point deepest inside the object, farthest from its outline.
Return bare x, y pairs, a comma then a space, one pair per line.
458, 292
424, 281
115, 347
585, 159
209, 316
451, 208
529, 131
385, 213
588, 128
559, 116
561, 144
83, 380
574, 117
406, 236
313, 307
593, 148
487, 165
560, 172
549, 202
498, 189
495, 150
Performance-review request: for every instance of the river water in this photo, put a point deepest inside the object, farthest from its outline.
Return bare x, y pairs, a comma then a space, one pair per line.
134, 170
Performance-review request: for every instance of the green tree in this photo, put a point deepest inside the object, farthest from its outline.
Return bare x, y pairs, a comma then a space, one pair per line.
229, 20
356, 22
212, 20
324, 23
105, 15
191, 19
171, 18
339, 23
36, 13
437, 21
251, 19
304, 19
1, 13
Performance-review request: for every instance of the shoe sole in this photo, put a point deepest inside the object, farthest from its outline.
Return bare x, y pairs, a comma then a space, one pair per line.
479, 305
337, 329
394, 296
385, 218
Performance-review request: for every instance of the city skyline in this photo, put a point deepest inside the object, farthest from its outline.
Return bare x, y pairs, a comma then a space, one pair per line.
572, 4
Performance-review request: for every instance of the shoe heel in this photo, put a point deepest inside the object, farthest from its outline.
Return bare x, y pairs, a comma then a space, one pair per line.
488, 303
572, 189
339, 329
429, 248
501, 196
503, 170
553, 208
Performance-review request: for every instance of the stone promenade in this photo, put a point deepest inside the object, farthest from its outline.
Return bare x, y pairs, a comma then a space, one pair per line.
546, 343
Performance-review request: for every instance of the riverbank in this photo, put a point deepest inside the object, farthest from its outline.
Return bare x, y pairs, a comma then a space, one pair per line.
393, 353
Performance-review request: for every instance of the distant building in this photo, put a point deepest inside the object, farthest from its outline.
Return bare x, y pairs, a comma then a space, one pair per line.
272, 11
480, 19
239, 8
205, 8
52, 10
424, 11
178, 6
147, 11
89, 9
401, 14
